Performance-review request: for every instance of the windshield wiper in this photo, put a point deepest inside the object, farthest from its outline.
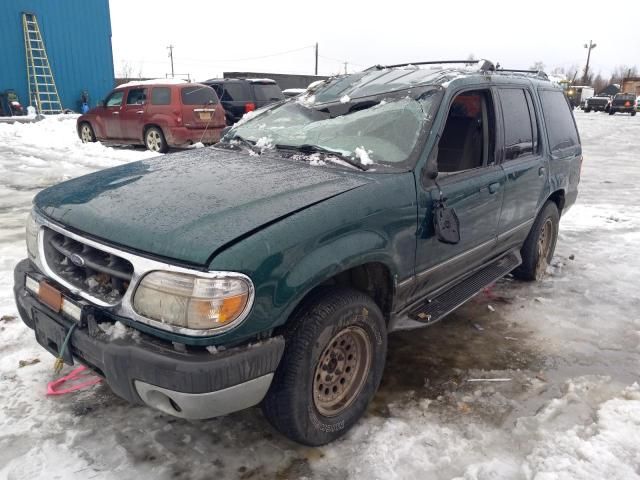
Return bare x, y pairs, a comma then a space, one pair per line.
247, 143
309, 148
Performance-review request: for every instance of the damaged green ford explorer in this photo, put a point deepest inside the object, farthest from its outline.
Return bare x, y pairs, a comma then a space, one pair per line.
270, 268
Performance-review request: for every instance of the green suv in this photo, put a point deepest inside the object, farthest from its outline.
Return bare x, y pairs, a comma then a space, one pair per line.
271, 267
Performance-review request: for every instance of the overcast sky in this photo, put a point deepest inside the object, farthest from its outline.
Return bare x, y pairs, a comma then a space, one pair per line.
211, 37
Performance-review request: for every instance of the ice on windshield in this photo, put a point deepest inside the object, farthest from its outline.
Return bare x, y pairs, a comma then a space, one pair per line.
386, 132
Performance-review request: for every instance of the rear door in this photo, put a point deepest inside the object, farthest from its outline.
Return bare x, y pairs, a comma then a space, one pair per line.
200, 107
111, 114
266, 93
524, 165
132, 114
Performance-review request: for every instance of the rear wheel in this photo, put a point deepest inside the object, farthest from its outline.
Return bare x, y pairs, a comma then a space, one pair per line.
633, 114
154, 140
587, 110
331, 367
611, 111
540, 244
86, 133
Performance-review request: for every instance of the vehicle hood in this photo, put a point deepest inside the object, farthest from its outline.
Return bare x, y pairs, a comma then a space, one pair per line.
187, 206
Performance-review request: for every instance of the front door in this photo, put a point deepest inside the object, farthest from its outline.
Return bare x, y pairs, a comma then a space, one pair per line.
111, 115
471, 183
132, 114
524, 166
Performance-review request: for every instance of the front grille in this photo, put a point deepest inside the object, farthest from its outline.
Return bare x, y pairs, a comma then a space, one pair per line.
98, 273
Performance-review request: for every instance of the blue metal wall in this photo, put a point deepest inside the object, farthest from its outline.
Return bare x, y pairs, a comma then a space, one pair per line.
77, 36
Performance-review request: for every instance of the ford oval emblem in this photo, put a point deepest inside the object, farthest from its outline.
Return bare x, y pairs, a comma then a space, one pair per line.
77, 260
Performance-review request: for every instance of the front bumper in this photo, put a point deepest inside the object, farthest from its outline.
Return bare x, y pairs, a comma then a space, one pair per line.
188, 383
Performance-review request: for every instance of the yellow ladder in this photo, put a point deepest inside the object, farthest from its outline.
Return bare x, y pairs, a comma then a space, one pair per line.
43, 94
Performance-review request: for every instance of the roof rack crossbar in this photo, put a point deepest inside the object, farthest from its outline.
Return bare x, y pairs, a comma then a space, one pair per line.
537, 73
483, 65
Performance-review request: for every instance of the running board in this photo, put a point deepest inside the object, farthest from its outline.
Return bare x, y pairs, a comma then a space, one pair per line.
436, 308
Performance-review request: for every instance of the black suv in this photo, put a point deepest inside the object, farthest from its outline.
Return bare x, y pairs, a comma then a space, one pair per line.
623, 102
242, 95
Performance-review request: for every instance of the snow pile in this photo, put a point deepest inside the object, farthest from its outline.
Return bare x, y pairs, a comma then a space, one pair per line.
153, 81
345, 99
363, 155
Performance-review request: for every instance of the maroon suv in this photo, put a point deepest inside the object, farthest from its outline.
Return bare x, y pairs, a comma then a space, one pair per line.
156, 114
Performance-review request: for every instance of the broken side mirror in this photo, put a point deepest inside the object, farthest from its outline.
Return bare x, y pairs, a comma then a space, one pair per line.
446, 223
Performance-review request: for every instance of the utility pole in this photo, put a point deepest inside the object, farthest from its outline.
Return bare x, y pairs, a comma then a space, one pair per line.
589, 47
345, 67
170, 48
316, 58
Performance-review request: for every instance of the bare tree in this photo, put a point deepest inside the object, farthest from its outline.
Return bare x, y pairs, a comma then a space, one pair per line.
126, 70
598, 83
621, 72
537, 66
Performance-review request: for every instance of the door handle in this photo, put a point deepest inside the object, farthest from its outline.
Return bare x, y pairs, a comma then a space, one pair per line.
140, 112
541, 171
494, 187
116, 113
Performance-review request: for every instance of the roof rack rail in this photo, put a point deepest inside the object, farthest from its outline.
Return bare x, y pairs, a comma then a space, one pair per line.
483, 65
537, 73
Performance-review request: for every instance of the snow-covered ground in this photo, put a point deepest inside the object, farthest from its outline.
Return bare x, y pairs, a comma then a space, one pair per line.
567, 352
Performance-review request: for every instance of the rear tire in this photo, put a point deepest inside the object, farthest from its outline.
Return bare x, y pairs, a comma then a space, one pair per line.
633, 114
86, 133
154, 140
336, 345
540, 244
611, 111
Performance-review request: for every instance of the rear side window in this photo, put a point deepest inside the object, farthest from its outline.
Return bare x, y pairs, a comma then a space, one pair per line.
234, 92
267, 92
518, 129
563, 136
136, 96
161, 96
198, 95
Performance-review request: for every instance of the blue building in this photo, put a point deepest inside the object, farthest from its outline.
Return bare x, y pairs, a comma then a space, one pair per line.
77, 38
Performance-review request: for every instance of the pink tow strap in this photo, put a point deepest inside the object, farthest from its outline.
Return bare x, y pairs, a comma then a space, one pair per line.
77, 381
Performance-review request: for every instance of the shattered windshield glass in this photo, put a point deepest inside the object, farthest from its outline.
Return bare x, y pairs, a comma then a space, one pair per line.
380, 131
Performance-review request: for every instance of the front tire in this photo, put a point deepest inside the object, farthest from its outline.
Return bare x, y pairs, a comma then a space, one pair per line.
86, 133
154, 140
540, 244
331, 368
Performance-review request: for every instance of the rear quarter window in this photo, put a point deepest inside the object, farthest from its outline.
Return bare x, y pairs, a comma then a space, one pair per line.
198, 95
267, 92
561, 128
234, 92
161, 96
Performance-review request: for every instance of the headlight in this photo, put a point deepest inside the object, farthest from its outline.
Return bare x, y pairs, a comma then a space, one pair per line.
32, 237
193, 302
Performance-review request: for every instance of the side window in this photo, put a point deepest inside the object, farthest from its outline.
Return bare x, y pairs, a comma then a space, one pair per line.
468, 138
161, 96
136, 96
218, 89
518, 129
115, 99
234, 92
563, 135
